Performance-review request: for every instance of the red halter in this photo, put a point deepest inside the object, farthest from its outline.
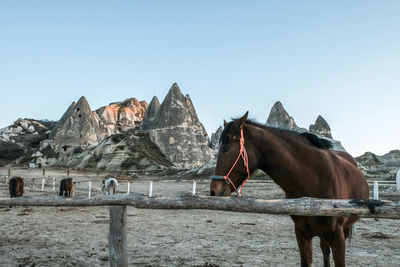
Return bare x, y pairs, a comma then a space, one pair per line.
243, 155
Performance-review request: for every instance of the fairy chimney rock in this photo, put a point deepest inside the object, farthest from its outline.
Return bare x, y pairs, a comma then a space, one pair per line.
321, 127
278, 117
79, 126
150, 114
176, 129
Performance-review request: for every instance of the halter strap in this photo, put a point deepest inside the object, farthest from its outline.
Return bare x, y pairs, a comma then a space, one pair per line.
243, 155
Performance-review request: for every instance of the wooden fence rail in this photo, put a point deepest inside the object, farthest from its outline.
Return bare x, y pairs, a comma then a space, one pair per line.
300, 206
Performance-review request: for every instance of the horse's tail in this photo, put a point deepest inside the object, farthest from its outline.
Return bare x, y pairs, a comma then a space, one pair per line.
61, 187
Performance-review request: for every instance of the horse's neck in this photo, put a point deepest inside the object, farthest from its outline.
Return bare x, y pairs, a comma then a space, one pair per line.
277, 158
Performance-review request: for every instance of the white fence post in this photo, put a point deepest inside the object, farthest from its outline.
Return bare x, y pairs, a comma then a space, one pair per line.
376, 190
129, 188
90, 189
194, 188
43, 184
151, 189
54, 184
398, 180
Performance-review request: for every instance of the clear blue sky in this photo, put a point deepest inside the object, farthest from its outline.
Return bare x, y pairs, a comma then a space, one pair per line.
338, 59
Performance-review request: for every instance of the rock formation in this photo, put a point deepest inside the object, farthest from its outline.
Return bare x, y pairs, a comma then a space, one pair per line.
82, 127
278, 117
382, 167
129, 150
78, 127
121, 116
150, 114
214, 141
321, 127
176, 129
22, 139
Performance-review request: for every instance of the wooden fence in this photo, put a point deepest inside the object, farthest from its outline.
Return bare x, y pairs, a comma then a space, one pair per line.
301, 206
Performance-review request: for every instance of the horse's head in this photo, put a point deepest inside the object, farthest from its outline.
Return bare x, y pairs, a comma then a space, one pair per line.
228, 174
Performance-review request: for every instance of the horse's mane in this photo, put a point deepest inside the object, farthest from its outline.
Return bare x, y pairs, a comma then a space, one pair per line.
311, 138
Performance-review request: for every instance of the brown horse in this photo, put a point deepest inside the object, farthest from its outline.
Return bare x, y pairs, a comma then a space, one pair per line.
303, 165
66, 187
16, 187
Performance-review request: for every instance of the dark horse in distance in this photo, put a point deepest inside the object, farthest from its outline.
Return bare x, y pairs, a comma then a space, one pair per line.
16, 187
66, 187
303, 165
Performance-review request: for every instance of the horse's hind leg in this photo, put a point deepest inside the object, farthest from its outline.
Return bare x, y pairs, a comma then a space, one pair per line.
338, 246
304, 242
325, 251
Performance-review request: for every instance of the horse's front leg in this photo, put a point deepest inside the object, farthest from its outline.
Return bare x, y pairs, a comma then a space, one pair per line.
304, 241
338, 245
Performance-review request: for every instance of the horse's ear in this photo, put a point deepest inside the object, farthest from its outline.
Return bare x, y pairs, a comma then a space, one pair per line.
225, 123
243, 119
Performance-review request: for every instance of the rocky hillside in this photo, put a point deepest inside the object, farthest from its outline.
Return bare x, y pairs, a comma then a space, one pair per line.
21, 140
381, 167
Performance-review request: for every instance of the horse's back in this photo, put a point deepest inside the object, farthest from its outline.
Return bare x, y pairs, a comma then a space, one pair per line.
350, 181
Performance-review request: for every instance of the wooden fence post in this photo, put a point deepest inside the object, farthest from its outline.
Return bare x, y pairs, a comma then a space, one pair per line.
54, 184
67, 172
194, 188
9, 173
90, 189
43, 184
117, 236
151, 189
44, 172
398, 180
129, 188
376, 190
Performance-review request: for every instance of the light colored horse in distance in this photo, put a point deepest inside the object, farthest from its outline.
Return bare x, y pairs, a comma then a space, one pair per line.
108, 184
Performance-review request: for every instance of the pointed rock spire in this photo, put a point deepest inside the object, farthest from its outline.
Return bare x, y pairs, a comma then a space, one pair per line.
278, 117
176, 129
150, 114
79, 126
321, 127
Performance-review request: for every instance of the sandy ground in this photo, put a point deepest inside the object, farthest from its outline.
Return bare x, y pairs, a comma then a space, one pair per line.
68, 236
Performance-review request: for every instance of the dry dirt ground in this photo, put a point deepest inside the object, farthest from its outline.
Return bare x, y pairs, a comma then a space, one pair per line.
75, 236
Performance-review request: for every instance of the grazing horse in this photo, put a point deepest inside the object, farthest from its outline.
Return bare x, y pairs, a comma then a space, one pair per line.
109, 183
16, 187
303, 165
67, 187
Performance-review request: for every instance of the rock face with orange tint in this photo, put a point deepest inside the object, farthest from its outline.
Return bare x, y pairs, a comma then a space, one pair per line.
121, 116
82, 127
177, 131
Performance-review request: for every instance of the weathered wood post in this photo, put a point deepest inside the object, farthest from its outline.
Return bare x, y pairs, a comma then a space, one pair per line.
398, 180
44, 172
67, 172
194, 188
151, 189
54, 184
90, 189
33, 183
43, 184
117, 236
376, 190
129, 188
8, 176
